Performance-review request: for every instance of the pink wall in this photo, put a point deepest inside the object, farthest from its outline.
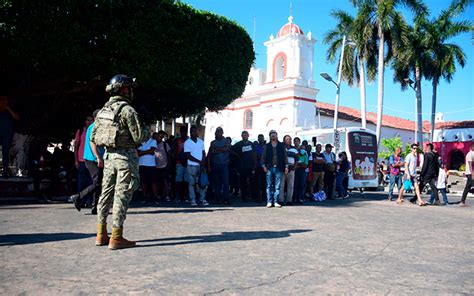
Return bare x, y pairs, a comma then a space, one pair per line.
445, 152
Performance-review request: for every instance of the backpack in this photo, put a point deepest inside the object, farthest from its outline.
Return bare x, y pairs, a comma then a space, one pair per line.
107, 125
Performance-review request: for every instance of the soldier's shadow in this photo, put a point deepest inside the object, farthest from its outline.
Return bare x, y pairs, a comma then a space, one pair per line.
222, 237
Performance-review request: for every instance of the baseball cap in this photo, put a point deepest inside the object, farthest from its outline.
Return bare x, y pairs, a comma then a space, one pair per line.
329, 145
272, 132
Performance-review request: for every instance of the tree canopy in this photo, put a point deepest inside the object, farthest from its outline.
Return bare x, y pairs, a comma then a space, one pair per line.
57, 56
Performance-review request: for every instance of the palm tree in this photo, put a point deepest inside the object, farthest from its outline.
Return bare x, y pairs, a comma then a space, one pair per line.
444, 55
357, 53
382, 15
411, 59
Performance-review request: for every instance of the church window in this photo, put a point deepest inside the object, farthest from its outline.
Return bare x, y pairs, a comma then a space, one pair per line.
248, 119
279, 67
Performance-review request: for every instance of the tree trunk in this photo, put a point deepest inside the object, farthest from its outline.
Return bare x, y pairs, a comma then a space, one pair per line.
433, 107
419, 119
362, 94
381, 67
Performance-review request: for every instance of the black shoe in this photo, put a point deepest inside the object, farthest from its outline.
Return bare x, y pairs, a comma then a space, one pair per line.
94, 211
289, 203
76, 199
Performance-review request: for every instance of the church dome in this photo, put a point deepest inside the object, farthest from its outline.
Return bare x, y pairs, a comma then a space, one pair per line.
288, 28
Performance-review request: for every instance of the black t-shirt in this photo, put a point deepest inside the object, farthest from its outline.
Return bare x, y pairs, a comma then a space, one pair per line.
245, 152
318, 167
6, 123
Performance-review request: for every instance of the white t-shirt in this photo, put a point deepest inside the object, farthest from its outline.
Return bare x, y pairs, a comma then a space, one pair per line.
469, 157
149, 159
441, 179
411, 161
195, 148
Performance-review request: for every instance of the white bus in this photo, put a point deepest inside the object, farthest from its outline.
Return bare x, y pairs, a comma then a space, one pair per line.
361, 147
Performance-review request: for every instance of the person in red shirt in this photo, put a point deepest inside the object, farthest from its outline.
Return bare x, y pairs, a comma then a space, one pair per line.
83, 176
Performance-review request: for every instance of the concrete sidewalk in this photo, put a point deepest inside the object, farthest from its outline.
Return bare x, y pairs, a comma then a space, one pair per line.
355, 246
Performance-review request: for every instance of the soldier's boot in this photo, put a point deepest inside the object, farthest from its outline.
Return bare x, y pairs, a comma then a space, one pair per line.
102, 238
117, 241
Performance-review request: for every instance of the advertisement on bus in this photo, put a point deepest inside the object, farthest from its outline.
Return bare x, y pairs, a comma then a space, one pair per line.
363, 148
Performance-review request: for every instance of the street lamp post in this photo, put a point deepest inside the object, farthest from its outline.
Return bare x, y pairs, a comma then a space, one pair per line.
338, 85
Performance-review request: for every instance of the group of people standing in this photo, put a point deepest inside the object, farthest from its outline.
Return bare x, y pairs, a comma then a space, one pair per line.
282, 173
416, 170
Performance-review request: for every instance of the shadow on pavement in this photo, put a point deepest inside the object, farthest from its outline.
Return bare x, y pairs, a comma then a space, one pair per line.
177, 211
222, 237
38, 238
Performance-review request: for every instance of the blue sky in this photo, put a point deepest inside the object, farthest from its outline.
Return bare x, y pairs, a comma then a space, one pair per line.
455, 100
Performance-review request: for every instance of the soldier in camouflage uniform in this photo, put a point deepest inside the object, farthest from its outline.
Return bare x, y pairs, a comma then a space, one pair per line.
120, 134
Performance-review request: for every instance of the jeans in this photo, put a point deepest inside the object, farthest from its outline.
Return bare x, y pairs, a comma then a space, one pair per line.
274, 176
220, 181
83, 181
469, 185
394, 179
193, 175
341, 191
300, 184
443, 193
289, 181
6, 142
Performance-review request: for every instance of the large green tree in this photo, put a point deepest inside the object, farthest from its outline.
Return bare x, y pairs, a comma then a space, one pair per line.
56, 57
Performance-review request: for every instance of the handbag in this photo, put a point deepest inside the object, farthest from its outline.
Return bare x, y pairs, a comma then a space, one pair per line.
203, 179
319, 196
407, 185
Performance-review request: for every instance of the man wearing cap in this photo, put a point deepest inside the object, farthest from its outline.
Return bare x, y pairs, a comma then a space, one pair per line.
274, 163
411, 164
329, 171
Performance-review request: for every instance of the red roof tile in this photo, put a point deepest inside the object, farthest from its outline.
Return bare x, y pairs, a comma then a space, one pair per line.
387, 120
454, 124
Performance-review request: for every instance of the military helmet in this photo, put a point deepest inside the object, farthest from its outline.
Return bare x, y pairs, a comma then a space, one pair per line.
118, 82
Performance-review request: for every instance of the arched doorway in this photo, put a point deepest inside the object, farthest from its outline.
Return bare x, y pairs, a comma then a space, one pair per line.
456, 159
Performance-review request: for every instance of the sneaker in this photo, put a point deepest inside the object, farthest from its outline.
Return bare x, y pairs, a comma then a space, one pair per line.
205, 203
463, 205
269, 205
277, 205
194, 204
345, 196
76, 199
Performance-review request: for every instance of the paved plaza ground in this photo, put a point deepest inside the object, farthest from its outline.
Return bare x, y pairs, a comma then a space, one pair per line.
355, 246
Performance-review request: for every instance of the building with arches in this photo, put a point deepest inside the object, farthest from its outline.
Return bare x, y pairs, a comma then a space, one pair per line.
452, 140
284, 97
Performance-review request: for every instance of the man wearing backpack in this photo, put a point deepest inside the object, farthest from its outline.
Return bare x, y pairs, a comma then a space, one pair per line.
120, 131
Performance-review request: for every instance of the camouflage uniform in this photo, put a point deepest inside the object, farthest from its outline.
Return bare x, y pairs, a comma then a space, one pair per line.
121, 177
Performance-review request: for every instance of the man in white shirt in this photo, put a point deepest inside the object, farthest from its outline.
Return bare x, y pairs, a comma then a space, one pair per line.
147, 169
411, 164
196, 155
469, 175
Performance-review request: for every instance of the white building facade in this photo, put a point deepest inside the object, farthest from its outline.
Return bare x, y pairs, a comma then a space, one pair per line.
283, 97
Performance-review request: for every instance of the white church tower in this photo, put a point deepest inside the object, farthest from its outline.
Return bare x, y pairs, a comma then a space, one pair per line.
280, 97
290, 56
